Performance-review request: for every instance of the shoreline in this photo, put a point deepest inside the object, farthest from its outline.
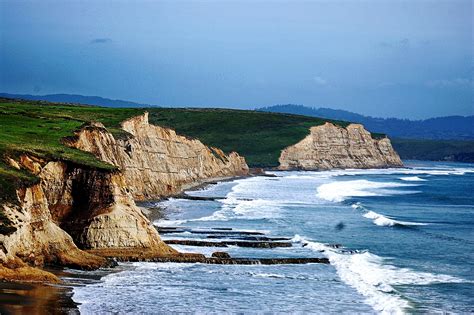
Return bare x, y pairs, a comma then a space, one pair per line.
40, 297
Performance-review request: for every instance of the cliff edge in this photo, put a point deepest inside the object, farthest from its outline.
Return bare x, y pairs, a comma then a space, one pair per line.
155, 161
329, 146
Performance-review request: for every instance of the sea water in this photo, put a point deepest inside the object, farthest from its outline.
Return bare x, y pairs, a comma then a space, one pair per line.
406, 245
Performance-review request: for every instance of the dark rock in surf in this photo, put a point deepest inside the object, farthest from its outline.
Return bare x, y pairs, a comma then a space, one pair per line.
220, 255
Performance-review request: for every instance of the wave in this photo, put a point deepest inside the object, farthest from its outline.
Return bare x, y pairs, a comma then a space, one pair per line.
413, 179
382, 220
372, 278
430, 171
168, 223
341, 190
277, 276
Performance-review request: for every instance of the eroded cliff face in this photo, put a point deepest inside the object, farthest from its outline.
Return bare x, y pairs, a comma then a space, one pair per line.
155, 161
329, 146
72, 208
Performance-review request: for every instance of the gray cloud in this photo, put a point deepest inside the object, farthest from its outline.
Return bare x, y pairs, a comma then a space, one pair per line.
402, 43
447, 83
100, 41
319, 80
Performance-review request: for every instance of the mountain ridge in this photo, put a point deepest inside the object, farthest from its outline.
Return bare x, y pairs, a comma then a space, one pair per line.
77, 99
446, 128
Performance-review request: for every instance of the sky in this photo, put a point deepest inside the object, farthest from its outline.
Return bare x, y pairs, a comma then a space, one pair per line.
409, 59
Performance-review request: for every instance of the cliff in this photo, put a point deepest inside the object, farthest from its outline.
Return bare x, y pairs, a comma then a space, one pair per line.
155, 161
71, 209
329, 146
76, 214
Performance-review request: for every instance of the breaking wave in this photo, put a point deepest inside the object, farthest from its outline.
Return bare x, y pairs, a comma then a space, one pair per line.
382, 220
413, 179
341, 190
374, 279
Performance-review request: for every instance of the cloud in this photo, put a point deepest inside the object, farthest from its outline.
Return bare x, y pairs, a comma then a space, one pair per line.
100, 41
402, 43
447, 83
320, 81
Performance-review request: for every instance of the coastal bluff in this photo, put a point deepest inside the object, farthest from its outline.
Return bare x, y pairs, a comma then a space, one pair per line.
76, 215
333, 147
155, 161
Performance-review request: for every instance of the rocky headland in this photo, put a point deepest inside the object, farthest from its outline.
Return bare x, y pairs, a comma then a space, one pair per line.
334, 147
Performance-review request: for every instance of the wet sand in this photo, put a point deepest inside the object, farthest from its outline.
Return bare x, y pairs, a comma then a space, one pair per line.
39, 298
33, 298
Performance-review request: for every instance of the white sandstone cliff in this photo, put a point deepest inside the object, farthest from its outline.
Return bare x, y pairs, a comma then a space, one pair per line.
155, 161
329, 146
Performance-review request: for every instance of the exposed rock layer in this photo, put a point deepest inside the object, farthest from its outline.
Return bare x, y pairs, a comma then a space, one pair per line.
74, 207
329, 146
156, 161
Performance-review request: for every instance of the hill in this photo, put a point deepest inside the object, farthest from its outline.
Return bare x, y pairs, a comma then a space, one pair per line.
75, 99
445, 128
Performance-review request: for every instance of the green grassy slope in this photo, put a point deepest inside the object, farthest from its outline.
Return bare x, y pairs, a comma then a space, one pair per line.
27, 127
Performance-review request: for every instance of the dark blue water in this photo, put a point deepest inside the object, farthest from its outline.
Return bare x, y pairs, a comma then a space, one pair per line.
407, 246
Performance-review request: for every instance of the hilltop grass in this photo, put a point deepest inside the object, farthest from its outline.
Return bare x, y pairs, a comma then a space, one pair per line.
37, 128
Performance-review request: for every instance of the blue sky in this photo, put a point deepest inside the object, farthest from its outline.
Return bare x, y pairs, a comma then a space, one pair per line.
411, 59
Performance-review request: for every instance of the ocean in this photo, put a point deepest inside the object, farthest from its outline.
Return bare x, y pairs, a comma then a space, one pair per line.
398, 241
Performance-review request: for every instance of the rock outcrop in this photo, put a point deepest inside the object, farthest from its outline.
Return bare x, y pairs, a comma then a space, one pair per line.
329, 146
155, 161
74, 208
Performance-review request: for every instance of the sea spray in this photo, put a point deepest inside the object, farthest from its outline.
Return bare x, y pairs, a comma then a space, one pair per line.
339, 191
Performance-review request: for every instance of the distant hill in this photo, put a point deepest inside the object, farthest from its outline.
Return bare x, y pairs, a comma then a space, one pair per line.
75, 99
446, 128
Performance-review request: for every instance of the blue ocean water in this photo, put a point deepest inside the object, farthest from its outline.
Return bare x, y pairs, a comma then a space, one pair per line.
406, 236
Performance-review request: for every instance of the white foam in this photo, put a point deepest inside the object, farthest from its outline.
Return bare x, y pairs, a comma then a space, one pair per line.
434, 171
382, 220
277, 276
374, 279
165, 223
239, 205
339, 191
413, 179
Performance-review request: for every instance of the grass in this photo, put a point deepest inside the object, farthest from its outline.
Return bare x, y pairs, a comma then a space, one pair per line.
37, 128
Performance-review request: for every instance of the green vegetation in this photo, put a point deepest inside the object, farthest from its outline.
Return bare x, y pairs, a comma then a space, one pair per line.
37, 128
435, 150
